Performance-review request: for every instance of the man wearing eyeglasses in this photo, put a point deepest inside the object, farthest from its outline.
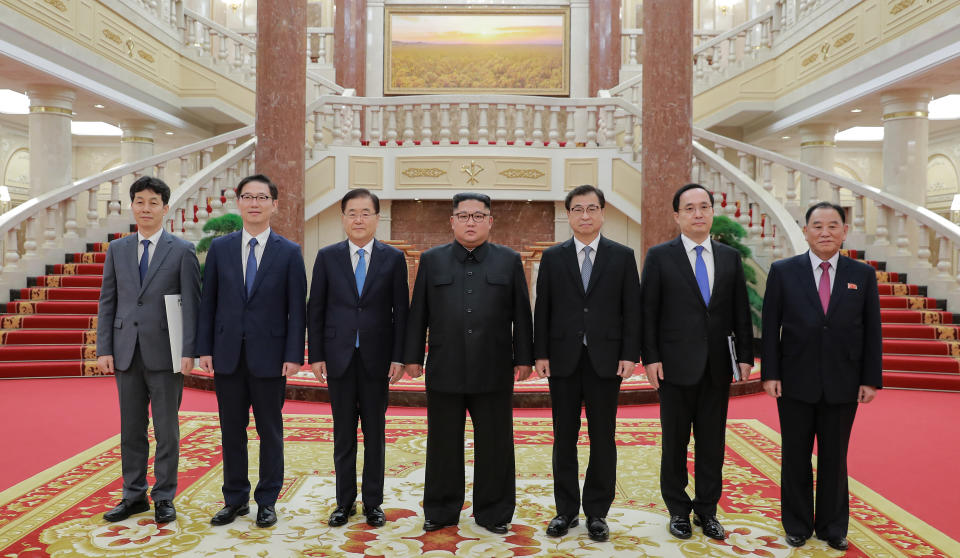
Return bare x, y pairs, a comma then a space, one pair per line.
357, 315
472, 296
251, 337
693, 296
586, 340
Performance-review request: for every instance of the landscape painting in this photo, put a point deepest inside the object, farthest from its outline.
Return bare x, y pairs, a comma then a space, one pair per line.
476, 51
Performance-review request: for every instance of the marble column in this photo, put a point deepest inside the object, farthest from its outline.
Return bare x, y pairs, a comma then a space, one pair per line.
51, 145
136, 143
817, 148
667, 112
605, 44
350, 44
281, 107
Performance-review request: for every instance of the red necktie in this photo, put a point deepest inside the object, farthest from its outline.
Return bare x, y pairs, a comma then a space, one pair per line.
825, 286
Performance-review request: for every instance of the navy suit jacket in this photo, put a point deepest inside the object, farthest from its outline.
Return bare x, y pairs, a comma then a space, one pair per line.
815, 355
272, 320
336, 312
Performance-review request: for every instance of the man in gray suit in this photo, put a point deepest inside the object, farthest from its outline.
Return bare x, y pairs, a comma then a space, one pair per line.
133, 344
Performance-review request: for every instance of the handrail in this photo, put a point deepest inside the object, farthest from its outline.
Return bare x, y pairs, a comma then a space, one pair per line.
233, 35
319, 80
473, 99
745, 26
232, 157
627, 84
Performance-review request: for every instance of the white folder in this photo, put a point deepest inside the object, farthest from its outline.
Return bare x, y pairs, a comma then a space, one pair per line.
732, 345
174, 328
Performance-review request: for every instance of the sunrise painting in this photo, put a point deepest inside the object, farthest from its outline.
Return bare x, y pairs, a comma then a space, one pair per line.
476, 52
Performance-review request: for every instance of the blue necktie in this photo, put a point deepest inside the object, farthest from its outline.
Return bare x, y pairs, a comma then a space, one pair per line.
361, 275
586, 268
251, 266
702, 279
144, 260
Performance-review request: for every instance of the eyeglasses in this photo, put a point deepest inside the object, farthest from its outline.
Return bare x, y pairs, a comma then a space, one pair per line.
362, 215
591, 209
692, 209
477, 217
262, 198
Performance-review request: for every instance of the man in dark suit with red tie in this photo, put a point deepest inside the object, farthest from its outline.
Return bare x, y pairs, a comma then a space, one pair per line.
821, 356
693, 296
357, 316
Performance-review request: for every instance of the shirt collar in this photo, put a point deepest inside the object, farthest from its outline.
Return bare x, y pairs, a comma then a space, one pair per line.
261, 238
593, 244
815, 260
689, 244
461, 253
153, 239
367, 248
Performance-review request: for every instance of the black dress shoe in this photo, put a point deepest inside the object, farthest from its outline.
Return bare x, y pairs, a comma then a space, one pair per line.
710, 525
375, 516
228, 514
431, 525
496, 528
680, 526
837, 543
266, 516
340, 515
164, 512
597, 529
125, 509
561, 524
796, 541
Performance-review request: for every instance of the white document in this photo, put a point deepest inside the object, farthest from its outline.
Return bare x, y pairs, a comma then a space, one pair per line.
731, 344
174, 328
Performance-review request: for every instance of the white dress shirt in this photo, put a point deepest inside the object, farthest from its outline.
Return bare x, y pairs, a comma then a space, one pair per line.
257, 251
817, 272
153, 245
355, 253
593, 250
691, 248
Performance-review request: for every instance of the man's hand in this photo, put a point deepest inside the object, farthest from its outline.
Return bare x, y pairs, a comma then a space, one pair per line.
186, 366
521, 373
654, 372
105, 364
396, 372
867, 393
625, 369
745, 370
413, 370
773, 388
291, 368
319, 370
543, 367
206, 364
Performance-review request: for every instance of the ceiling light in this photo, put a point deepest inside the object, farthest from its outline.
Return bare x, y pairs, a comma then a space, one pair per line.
98, 106
945, 108
94, 129
12, 102
785, 137
856, 110
168, 132
860, 133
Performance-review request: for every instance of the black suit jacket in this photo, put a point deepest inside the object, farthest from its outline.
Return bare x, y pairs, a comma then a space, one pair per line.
608, 312
336, 311
679, 329
477, 308
816, 355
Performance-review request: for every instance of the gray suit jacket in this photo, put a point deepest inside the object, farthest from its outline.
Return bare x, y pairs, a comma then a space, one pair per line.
130, 312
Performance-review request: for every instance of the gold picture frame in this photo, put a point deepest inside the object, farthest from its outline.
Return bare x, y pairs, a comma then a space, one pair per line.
476, 50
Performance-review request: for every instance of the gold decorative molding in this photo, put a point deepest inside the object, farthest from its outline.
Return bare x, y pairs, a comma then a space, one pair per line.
905, 114
820, 143
113, 37
146, 56
136, 139
843, 40
58, 4
532, 174
810, 59
54, 110
900, 6
418, 172
472, 170
130, 46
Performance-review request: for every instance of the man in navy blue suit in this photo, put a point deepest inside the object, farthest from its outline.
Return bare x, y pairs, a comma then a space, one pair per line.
357, 316
251, 337
822, 352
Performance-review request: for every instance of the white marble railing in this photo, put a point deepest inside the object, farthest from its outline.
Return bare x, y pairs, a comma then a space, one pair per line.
732, 50
632, 39
51, 221
319, 45
227, 50
428, 120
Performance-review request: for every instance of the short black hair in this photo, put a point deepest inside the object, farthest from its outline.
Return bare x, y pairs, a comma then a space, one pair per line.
154, 184
680, 192
584, 190
360, 193
258, 178
826, 205
465, 196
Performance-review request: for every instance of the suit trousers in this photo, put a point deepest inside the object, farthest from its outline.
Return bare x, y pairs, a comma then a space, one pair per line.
236, 393
704, 407
599, 395
355, 396
831, 425
140, 389
494, 480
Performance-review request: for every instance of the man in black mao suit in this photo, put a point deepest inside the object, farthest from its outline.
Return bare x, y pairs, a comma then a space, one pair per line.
357, 315
251, 337
822, 352
586, 340
693, 296
472, 296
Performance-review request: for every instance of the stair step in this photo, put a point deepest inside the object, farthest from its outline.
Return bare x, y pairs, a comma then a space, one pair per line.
75, 269
891, 277
929, 317
47, 321
55, 293
912, 303
89, 281
53, 307
49, 369
86, 257
901, 289
919, 380
931, 347
920, 331
920, 363
33, 353
48, 337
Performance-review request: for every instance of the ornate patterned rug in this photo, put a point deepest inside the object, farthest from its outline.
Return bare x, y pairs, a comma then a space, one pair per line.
58, 512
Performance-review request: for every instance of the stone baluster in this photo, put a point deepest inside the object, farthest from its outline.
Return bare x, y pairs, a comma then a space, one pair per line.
520, 129
881, 232
445, 124
483, 133
767, 172
355, 133
392, 125
70, 224
337, 130
203, 200
50, 232
731, 51
731, 207
322, 48
376, 125
318, 144
426, 127
93, 209
189, 226
591, 126
30, 244
744, 218
346, 124
633, 50
570, 134
553, 134
230, 206
238, 57
943, 260
766, 238
407, 126
537, 126
11, 257
113, 206
923, 251
216, 204
793, 200
501, 124
835, 193
463, 134
628, 138
252, 65
903, 237
743, 163
859, 216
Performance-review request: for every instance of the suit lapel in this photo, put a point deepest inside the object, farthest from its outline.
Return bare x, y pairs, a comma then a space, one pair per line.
721, 268
839, 286
266, 260
683, 264
127, 253
805, 273
234, 261
374, 265
600, 261
345, 261
164, 244
570, 261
